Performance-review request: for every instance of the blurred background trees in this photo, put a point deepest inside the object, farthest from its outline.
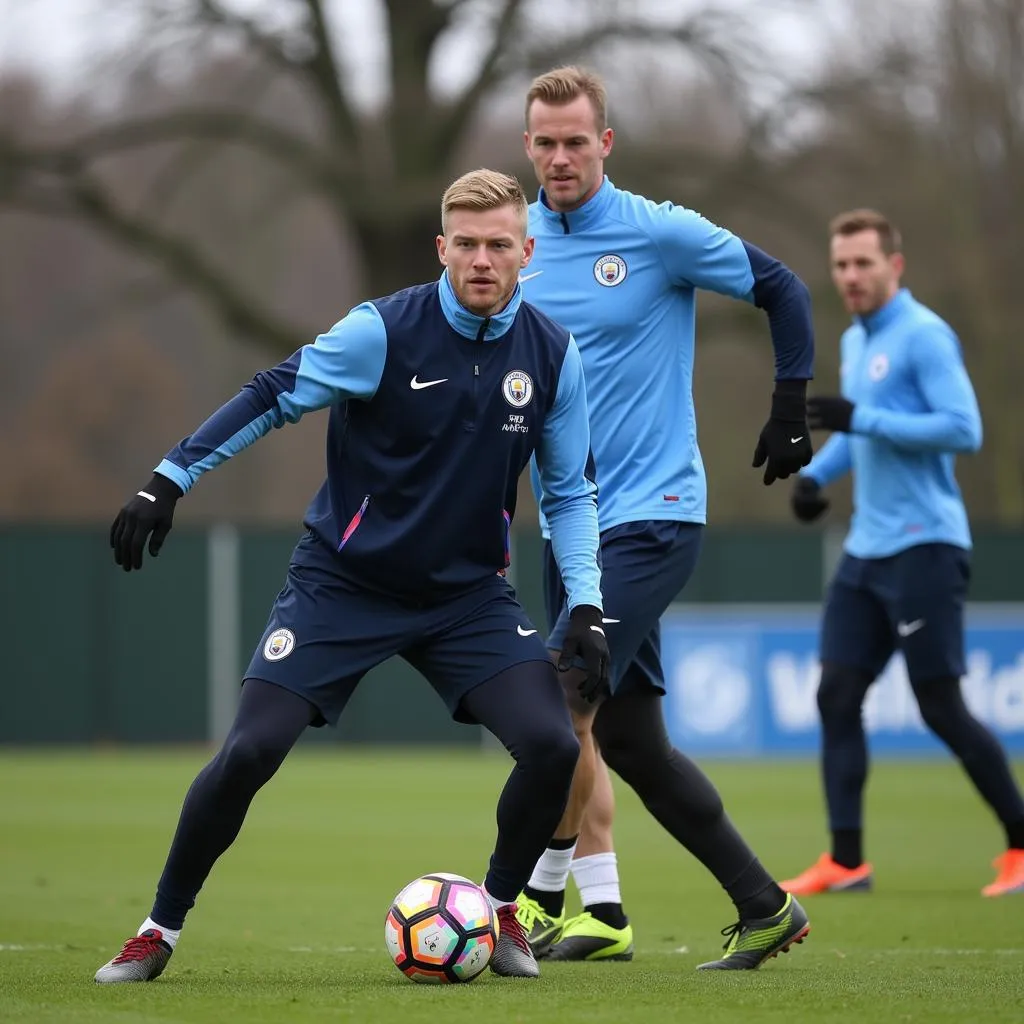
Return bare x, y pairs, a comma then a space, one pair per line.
203, 200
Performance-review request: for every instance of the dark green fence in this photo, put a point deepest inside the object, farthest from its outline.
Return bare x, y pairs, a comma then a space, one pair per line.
92, 654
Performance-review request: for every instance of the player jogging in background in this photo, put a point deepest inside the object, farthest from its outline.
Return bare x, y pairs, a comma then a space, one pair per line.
906, 409
405, 547
621, 271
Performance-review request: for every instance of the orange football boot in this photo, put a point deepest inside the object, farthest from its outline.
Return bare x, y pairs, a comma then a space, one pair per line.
1010, 877
825, 875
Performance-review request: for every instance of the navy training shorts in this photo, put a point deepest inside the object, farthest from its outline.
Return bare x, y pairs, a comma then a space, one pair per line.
324, 634
912, 601
644, 567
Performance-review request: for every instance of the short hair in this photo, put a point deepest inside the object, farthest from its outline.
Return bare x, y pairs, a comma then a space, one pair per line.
563, 85
484, 189
852, 222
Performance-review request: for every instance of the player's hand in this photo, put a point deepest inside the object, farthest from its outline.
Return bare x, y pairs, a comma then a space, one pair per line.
784, 446
150, 512
829, 412
807, 499
585, 639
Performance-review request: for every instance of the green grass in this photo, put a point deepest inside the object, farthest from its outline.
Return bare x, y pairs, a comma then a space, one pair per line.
290, 926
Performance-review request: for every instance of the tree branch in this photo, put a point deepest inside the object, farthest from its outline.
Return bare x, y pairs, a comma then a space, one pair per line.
219, 126
83, 196
268, 46
171, 178
323, 71
696, 34
458, 115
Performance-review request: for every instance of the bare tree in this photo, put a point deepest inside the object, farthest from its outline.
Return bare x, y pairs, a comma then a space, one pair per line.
376, 170
921, 112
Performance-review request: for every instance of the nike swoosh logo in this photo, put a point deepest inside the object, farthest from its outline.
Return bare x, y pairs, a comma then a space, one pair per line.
530, 277
610, 620
793, 440
525, 632
909, 628
418, 385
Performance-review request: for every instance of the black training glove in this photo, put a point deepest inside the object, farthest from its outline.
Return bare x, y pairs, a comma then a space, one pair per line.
585, 639
784, 446
807, 499
829, 412
150, 511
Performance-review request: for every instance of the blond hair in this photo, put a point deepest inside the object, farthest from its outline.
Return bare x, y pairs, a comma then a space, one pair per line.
852, 222
484, 189
563, 85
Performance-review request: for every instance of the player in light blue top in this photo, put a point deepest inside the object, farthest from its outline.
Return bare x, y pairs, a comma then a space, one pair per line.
621, 272
906, 410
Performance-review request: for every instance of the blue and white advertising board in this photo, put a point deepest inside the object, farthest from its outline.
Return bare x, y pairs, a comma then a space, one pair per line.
742, 680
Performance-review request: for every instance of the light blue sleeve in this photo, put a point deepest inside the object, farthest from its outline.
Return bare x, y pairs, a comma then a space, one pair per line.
569, 494
345, 363
831, 461
953, 422
700, 254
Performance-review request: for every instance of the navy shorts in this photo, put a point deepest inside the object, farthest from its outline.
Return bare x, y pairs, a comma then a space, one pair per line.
644, 566
912, 601
324, 634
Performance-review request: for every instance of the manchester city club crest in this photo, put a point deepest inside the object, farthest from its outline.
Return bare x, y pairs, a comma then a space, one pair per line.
517, 387
279, 645
610, 270
878, 367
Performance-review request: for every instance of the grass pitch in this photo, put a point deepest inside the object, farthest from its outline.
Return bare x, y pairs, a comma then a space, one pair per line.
290, 925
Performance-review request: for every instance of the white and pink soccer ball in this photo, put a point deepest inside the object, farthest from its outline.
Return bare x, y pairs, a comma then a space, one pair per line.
441, 929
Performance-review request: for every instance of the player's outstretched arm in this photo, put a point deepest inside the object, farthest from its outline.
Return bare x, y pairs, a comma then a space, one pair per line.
953, 420
569, 501
345, 363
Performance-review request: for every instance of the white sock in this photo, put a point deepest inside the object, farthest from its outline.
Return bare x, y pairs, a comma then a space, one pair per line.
495, 902
597, 878
552, 870
170, 936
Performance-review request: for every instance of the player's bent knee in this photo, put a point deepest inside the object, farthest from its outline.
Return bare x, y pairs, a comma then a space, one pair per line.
632, 758
941, 704
551, 750
840, 692
630, 734
248, 758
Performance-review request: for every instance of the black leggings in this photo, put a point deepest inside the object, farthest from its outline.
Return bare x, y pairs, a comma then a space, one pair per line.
841, 695
523, 707
268, 723
630, 731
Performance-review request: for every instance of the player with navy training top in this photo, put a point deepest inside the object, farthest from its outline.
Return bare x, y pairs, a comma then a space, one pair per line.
621, 272
906, 410
439, 396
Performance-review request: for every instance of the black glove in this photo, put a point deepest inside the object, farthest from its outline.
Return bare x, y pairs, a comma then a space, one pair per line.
829, 412
807, 500
585, 639
784, 446
150, 511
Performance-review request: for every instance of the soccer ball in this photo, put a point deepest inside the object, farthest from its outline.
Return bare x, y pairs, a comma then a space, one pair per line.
441, 928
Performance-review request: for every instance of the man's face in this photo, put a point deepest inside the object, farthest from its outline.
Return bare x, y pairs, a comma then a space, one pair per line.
484, 250
566, 151
865, 277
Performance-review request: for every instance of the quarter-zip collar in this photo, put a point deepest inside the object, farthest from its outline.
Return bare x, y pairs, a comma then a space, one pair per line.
469, 325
